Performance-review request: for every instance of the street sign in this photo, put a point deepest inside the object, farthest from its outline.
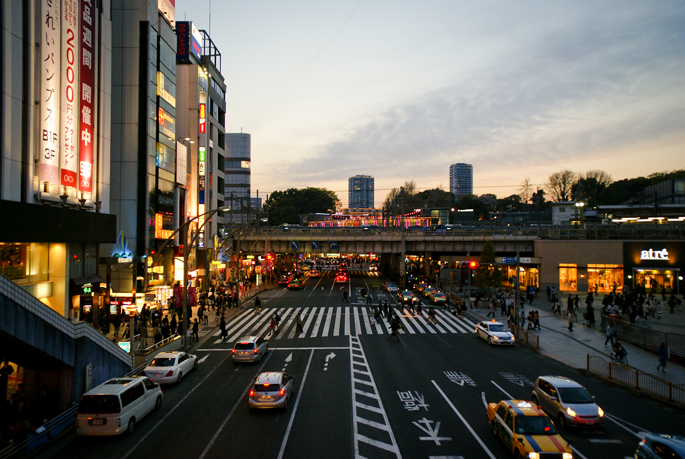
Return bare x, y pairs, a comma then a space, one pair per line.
526, 260
294, 245
333, 245
315, 245
508, 260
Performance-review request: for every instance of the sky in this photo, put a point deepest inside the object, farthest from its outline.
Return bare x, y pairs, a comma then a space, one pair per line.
402, 90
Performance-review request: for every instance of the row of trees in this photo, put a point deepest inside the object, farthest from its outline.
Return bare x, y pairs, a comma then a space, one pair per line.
594, 187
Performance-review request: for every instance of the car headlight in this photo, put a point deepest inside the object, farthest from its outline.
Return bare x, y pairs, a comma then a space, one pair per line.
567, 456
496, 338
533, 455
600, 412
571, 412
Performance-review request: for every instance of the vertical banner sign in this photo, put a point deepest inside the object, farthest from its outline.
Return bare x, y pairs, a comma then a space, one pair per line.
202, 119
87, 78
70, 63
201, 195
50, 91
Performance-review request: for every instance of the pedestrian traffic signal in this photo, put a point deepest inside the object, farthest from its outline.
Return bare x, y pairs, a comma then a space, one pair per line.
269, 257
473, 264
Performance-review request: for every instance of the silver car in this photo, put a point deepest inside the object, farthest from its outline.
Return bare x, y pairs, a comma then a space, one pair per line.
271, 389
249, 349
567, 401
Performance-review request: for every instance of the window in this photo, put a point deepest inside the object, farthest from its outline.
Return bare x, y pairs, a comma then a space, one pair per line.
148, 383
509, 421
131, 395
502, 412
99, 404
663, 451
243, 346
601, 278
568, 277
162, 362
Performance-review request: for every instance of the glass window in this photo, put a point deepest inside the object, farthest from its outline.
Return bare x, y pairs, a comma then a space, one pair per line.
568, 277
601, 278
24, 263
99, 404
534, 425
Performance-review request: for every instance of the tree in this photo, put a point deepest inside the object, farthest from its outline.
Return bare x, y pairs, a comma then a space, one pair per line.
470, 201
526, 190
287, 206
603, 178
488, 273
436, 197
559, 185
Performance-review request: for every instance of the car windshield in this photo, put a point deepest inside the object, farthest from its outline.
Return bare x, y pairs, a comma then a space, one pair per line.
163, 362
99, 404
534, 425
243, 346
575, 395
390, 284
496, 327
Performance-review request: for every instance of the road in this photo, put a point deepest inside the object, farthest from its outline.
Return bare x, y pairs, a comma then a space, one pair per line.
357, 394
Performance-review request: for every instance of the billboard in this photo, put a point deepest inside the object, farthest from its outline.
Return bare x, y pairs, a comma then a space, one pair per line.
188, 40
87, 93
50, 91
69, 93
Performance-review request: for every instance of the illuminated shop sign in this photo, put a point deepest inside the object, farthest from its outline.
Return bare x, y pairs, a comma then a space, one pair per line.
160, 231
50, 91
167, 124
654, 254
188, 41
87, 96
162, 92
202, 119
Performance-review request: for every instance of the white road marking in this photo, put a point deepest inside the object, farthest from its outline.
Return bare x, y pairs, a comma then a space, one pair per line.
347, 320
297, 402
622, 425
336, 327
577, 453
317, 324
485, 403
475, 435
202, 359
505, 392
305, 328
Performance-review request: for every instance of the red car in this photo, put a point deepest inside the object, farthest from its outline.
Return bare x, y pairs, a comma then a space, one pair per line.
341, 278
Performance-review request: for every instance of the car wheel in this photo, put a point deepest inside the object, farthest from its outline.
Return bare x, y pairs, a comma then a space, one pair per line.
131, 425
179, 377
285, 405
534, 399
561, 419
158, 403
195, 365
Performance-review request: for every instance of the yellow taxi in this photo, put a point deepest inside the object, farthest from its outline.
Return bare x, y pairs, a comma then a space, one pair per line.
527, 431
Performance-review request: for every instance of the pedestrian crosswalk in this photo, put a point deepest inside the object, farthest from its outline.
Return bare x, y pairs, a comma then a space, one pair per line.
351, 272
322, 322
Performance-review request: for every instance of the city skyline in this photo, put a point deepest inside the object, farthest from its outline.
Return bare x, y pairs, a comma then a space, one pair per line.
400, 91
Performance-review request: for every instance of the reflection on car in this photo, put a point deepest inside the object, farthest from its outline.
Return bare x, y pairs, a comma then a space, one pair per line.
249, 349
567, 401
271, 389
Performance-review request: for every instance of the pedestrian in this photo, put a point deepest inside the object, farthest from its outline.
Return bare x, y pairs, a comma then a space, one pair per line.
298, 328
257, 305
272, 325
662, 354
536, 320
117, 325
344, 297
530, 320
377, 316
522, 319
222, 327
196, 329
491, 309
394, 328
570, 321
610, 335
431, 315
372, 315
419, 307
277, 319
380, 307
549, 293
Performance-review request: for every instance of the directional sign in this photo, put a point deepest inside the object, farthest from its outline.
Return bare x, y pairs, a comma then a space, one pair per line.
333, 245
315, 245
508, 260
294, 245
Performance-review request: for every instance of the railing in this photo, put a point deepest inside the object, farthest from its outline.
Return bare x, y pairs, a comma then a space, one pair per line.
646, 382
645, 337
525, 335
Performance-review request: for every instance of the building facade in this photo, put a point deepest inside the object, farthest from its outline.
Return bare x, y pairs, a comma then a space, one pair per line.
360, 192
461, 179
237, 179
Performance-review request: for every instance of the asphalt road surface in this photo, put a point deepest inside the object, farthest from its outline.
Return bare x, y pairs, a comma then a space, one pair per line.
358, 394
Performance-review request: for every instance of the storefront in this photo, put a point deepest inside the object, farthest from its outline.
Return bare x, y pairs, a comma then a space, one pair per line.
655, 265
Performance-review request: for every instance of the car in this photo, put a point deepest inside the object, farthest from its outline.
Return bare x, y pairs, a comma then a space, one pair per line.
392, 287
284, 281
170, 367
567, 401
438, 298
657, 446
526, 430
428, 291
494, 333
249, 349
341, 277
296, 284
421, 286
407, 297
373, 267
271, 389
314, 273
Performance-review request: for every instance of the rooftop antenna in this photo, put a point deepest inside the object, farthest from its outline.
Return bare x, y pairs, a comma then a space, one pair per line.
210, 18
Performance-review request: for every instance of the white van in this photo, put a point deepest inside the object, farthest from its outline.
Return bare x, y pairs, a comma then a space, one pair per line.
116, 405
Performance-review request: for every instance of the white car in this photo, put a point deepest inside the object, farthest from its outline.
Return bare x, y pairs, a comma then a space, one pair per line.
392, 287
170, 367
495, 333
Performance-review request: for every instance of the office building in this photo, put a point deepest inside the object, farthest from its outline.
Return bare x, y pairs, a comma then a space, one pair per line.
237, 179
461, 179
360, 192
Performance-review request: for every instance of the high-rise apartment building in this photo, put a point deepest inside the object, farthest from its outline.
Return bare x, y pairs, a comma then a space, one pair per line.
237, 179
461, 179
360, 192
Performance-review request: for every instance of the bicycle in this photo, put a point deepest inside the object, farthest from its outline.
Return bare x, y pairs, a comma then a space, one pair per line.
622, 359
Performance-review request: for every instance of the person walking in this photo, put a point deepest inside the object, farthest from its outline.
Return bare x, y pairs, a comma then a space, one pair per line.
277, 320
662, 354
431, 315
491, 309
394, 328
196, 329
298, 328
272, 326
344, 298
222, 327
536, 320
570, 320
610, 335
257, 305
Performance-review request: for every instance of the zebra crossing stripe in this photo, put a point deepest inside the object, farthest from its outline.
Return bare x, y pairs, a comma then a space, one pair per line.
367, 322
291, 317
313, 314
357, 325
406, 322
317, 324
336, 327
327, 324
291, 335
347, 321
245, 328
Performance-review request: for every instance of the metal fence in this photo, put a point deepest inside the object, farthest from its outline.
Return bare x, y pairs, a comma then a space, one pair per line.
637, 379
647, 338
527, 336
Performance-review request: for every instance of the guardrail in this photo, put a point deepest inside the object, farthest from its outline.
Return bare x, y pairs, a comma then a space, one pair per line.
647, 338
525, 335
646, 382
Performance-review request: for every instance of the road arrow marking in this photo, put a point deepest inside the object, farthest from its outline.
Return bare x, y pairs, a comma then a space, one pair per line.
203, 359
330, 356
287, 361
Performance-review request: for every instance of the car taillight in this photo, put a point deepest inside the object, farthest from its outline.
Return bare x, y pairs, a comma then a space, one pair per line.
252, 393
255, 351
232, 351
170, 373
281, 392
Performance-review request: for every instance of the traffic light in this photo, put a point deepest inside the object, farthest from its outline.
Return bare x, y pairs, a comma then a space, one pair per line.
473, 265
269, 257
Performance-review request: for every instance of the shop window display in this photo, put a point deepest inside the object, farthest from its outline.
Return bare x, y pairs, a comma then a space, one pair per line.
601, 278
568, 277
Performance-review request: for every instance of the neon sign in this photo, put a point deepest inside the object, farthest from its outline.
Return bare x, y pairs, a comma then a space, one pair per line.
654, 254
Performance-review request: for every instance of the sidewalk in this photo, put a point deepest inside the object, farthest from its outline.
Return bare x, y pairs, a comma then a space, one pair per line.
572, 347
